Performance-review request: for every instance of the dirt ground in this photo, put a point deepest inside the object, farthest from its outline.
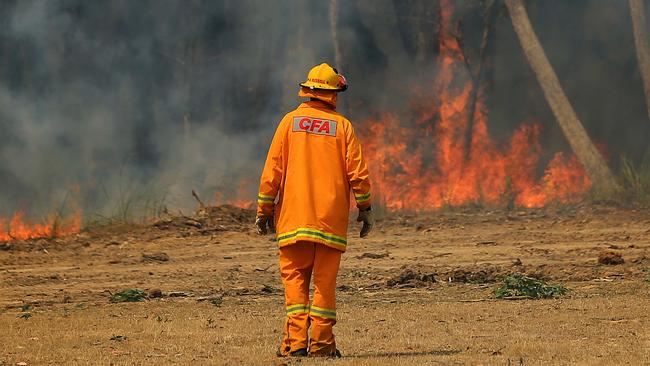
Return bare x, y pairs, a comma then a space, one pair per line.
418, 291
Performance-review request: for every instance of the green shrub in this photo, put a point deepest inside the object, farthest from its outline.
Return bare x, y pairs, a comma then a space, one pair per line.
128, 295
635, 179
518, 285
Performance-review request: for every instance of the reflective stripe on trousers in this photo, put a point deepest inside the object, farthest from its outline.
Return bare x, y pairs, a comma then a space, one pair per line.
300, 262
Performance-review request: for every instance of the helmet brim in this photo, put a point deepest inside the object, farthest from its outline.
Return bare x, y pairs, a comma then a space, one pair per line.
313, 87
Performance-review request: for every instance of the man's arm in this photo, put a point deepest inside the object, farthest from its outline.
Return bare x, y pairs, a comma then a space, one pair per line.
359, 178
270, 181
358, 174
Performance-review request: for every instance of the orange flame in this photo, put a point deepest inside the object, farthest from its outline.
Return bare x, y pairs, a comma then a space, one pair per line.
426, 166
241, 196
20, 229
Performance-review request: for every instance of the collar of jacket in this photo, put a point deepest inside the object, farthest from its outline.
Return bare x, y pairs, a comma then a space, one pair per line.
319, 104
327, 97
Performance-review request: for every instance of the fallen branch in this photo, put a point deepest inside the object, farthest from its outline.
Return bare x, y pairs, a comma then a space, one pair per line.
196, 196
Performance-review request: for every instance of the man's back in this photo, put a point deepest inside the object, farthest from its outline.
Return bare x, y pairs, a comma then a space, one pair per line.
319, 157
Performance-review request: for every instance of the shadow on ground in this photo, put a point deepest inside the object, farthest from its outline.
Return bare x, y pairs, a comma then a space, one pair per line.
444, 352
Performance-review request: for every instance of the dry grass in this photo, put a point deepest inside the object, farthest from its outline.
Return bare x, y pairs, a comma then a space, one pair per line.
603, 321
408, 327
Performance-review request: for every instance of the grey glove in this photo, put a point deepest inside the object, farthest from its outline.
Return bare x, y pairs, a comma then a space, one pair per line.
368, 220
265, 225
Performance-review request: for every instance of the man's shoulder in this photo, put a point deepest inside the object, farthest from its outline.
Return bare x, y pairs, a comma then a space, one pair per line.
308, 111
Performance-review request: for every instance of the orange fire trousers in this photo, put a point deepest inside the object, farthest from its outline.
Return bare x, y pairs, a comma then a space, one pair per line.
300, 262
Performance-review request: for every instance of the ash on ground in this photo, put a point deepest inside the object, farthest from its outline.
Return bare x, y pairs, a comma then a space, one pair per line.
210, 219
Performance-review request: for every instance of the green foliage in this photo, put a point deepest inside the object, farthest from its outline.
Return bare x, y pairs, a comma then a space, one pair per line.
518, 285
216, 301
211, 323
647, 272
268, 289
635, 179
25, 312
128, 295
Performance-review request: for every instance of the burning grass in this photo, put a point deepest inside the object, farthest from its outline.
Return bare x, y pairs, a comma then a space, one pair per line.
241, 198
439, 152
19, 228
425, 177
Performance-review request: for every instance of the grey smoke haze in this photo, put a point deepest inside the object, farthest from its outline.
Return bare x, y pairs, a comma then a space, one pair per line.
150, 99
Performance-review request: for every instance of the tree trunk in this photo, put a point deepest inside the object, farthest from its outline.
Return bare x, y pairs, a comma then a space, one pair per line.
302, 56
637, 11
338, 58
425, 16
601, 177
380, 18
489, 17
334, 15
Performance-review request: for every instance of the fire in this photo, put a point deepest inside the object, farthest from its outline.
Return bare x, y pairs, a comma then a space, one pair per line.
18, 228
241, 197
441, 154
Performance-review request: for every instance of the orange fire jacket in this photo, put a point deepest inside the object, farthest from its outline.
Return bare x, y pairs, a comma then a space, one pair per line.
313, 162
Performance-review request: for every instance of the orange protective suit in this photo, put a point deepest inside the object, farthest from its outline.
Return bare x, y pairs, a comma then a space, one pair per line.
314, 160
313, 163
298, 264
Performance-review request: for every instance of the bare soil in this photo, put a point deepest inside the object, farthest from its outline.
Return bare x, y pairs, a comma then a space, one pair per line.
418, 291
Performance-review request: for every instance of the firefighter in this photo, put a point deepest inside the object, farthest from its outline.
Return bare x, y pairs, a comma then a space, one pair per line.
313, 163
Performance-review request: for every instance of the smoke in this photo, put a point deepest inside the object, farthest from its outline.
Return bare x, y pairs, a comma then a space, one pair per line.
135, 101
113, 102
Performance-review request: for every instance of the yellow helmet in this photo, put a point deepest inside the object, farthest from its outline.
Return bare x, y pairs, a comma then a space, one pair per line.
325, 77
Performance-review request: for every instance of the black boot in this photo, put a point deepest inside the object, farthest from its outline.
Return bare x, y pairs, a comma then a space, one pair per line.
334, 354
297, 353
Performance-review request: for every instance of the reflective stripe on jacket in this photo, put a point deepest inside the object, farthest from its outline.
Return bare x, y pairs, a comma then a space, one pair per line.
314, 161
